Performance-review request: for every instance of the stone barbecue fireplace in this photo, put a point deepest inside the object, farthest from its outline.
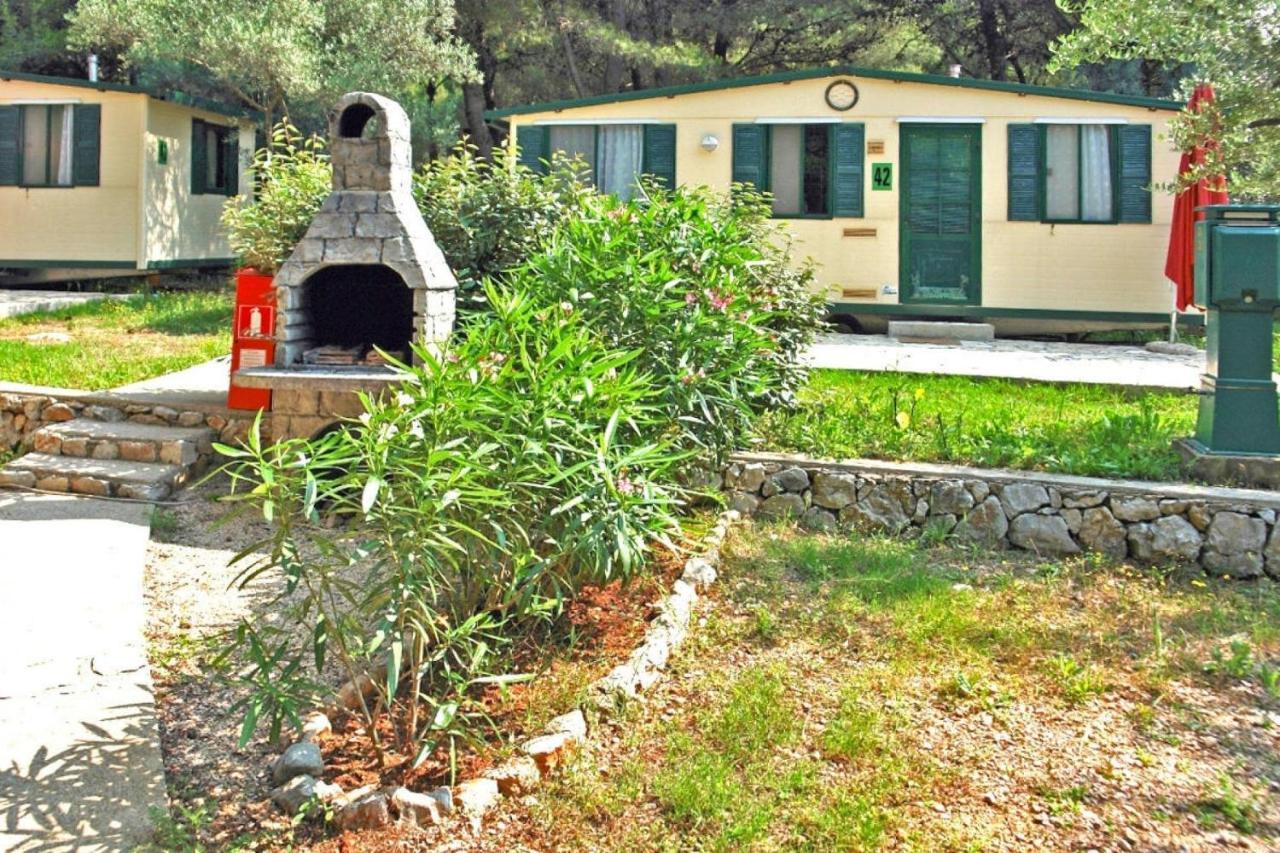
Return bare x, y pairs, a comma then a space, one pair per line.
368, 272
366, 276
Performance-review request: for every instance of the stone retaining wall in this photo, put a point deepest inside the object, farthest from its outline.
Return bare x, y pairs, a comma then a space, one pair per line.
1229, 532
22, 414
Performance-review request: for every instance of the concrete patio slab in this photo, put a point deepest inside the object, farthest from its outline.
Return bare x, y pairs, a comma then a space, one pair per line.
1042, 361
200, 386
80, 761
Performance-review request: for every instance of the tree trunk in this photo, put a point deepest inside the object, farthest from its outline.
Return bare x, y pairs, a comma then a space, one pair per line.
478, 96
1152, 79
473, 107
993, 41
614, 67
572, 62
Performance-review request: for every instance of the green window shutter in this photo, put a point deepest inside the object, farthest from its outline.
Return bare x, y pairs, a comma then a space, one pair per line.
86, 129
660, 153
1133, 193
199, 157
10, 145
534, 143
1024, 172
751, 155
847, 146
231, 142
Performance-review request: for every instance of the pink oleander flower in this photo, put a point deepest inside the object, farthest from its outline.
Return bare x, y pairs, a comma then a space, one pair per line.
691, 298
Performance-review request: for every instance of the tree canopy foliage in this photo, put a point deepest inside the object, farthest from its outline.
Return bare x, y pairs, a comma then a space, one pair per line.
1233, 44
449, 61
268, 55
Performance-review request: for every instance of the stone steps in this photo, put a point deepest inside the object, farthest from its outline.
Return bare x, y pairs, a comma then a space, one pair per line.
132, 442
930, 331
103, 477
111, 458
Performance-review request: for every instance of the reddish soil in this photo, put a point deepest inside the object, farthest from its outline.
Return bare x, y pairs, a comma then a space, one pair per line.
605, 623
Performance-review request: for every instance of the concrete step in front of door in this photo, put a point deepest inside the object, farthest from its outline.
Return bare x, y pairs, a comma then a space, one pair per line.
132, 442
940, 331
104, 477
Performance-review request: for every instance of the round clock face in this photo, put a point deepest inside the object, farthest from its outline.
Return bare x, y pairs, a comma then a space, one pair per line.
842, 95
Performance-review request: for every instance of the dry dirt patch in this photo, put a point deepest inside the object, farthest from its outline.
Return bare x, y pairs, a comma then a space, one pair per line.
220, 792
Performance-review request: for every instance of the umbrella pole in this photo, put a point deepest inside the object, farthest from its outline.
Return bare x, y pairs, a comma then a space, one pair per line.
1173, 319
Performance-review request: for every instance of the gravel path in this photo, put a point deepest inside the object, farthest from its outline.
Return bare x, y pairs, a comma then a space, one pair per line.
190, 602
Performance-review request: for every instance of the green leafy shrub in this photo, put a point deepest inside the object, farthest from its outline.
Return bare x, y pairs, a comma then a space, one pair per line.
486, 216
701, 286
489, 216
291, 178
492, 485
540, 452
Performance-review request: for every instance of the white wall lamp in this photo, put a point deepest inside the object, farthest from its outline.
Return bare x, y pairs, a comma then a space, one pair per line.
710, 142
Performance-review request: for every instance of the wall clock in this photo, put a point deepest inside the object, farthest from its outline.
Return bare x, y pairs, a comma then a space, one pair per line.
842, 95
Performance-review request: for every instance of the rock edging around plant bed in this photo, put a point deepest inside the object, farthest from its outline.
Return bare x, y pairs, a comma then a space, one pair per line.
1227, 532
298, 769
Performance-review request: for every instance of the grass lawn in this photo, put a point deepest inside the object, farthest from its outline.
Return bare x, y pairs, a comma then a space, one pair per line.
870, 693
1071, 429
114, 342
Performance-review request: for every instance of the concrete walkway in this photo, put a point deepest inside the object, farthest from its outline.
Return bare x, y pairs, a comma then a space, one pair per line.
1103, 364
80, 758
15, 302
200, 386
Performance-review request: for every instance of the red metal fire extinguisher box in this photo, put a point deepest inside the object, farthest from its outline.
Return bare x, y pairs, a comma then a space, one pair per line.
253, 341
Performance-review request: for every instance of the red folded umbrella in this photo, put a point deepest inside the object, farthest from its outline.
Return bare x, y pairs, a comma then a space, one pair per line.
1179, 265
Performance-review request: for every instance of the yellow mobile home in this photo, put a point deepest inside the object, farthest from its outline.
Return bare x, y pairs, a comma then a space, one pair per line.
98, 178
1028, 207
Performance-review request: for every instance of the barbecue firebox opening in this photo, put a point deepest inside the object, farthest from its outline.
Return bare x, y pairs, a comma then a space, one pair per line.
354, 308
351, 125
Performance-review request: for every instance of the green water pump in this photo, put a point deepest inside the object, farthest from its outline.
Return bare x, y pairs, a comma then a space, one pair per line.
1237, 278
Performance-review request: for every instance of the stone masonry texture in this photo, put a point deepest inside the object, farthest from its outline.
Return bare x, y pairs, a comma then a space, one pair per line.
1226, 532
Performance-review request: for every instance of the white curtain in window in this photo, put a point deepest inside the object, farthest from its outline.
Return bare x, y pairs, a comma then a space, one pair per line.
62, 175
1095, 173
1062, 178
35, 145
620, 159
786, 145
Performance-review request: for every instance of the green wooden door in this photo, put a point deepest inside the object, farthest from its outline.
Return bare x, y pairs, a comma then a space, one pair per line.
940, 212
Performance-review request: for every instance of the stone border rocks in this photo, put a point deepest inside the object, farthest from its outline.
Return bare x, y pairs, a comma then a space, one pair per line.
22, 414
1227, 532
296, 771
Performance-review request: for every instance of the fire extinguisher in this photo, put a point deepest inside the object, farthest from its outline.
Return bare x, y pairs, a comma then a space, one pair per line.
253, 343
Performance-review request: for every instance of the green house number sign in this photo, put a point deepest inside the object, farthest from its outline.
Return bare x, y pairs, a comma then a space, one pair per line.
882, 176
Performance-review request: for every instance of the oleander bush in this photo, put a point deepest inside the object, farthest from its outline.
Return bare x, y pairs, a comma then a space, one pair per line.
543, 449
500, 478
703, 287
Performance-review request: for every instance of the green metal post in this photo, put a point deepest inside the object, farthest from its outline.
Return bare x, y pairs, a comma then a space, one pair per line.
1238, 407
1238, 279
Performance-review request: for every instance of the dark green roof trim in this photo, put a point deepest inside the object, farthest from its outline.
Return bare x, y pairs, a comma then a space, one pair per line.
847, 70
180, 98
